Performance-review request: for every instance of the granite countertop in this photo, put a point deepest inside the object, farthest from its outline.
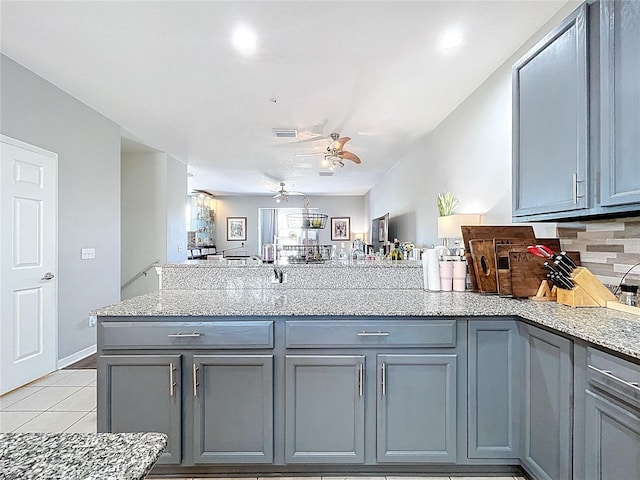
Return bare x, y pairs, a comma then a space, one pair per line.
190, 264
617, 331
79, 456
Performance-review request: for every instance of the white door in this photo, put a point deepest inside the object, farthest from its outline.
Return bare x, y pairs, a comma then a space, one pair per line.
28, 261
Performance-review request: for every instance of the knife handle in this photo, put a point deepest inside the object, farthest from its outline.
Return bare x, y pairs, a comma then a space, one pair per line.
568, 259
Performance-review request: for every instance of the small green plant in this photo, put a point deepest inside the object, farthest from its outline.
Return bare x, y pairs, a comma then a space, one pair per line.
447, 204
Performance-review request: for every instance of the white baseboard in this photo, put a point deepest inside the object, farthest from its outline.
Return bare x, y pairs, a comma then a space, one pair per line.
76, 357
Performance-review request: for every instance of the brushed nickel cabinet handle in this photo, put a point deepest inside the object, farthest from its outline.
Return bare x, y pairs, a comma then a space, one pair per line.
184, 335
383, 378
373, 334
172, 381
195, 380
607, 373
575, 189
361, 379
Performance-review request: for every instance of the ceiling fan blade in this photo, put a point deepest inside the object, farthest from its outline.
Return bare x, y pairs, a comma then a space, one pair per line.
350, 156
312, 154
338, 144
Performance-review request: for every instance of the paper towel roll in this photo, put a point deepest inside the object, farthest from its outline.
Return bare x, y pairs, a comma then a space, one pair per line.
433, 269
425, 270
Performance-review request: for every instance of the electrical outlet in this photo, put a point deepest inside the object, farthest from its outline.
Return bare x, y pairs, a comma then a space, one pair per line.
93, 319
179, 247
88, 253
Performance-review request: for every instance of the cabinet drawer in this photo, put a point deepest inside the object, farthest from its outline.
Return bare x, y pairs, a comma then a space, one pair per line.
356, 333
223, 335
614, 376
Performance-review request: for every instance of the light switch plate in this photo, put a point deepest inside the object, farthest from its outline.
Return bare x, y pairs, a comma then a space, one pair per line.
93, 319
88, 253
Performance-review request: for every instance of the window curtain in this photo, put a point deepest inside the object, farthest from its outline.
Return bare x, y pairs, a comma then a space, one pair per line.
269, 225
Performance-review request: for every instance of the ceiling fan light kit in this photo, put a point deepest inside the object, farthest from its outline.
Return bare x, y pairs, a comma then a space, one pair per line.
282, 195
335, 154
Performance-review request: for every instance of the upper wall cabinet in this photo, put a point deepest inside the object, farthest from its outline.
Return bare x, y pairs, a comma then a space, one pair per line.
620, 102
550, 122
576, 117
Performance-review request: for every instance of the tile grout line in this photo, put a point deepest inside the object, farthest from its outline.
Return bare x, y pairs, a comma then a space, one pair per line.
24, 423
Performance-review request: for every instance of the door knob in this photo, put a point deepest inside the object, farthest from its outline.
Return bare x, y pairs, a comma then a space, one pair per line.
47, 276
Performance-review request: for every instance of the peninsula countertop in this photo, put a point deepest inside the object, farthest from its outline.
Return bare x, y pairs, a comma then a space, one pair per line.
611, 329
86, 456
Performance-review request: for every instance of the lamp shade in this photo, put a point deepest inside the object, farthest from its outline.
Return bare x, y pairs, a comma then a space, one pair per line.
449, 226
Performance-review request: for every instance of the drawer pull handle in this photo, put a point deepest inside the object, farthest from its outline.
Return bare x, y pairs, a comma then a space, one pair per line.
184, 335
607, 373
373, 334
172, 382
361, 379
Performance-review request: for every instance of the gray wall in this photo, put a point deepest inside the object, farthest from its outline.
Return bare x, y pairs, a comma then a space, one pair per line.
468, 154
176, 194
144, 226
153, 201
88, 148
240, 206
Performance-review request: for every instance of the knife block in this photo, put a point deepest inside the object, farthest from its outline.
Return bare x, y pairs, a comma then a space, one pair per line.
589, 291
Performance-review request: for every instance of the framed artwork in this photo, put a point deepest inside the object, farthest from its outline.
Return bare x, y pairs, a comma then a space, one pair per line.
236, 228
340, 228
382, 229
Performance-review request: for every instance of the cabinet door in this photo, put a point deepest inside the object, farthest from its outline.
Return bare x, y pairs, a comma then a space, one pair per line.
620, 102
416, 414
233, 408
141, 393
550, 122
547, 407
612, 440
494, 389
324, 418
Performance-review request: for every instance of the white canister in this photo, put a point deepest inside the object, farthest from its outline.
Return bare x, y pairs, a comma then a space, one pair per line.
433, 270
459, 275
446, 275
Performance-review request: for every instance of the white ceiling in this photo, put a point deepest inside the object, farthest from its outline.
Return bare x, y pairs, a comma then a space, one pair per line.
167, 73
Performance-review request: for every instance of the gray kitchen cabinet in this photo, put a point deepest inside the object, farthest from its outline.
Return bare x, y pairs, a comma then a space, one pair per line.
612, 440
233, 408
324, 409
142, 393
547, 407
612, 430
416, 408
493, 389
620, 102
551, 123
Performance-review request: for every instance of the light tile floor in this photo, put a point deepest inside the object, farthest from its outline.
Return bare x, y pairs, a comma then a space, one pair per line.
65, 401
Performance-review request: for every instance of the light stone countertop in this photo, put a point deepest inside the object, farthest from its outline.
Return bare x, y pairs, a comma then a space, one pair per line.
611, 329
86, 456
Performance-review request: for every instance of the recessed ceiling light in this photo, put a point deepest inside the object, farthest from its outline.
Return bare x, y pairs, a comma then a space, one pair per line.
451, 38
245, 40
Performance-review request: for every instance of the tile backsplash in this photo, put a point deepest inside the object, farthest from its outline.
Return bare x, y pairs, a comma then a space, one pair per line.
607, 247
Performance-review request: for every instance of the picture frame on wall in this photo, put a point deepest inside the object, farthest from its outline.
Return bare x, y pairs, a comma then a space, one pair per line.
340, 228
236, 229
382, 228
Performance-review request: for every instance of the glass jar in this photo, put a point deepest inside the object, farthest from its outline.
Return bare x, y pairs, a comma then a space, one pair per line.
629, 294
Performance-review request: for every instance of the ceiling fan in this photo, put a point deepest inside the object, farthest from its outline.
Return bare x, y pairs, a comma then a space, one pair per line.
334, 155
282, 195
